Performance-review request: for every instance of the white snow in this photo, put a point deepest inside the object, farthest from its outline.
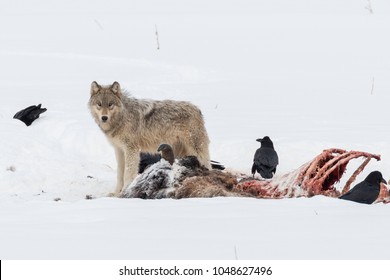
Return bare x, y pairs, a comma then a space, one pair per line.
310, 74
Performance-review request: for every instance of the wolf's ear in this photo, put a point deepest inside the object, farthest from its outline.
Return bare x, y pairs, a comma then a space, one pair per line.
116, 88
95, 87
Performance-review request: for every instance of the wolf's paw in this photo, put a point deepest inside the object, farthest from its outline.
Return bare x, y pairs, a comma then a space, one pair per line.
113, 195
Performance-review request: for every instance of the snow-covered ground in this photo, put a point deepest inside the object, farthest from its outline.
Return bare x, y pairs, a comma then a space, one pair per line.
311, 74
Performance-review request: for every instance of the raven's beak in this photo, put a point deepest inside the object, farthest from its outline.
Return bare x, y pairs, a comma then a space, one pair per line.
259, 140
384, 181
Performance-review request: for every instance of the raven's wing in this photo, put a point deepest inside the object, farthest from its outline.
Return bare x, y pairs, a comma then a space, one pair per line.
267, 157
363, 192
265, 162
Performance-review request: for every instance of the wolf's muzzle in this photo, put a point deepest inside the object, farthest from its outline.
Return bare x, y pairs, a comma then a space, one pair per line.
104, 118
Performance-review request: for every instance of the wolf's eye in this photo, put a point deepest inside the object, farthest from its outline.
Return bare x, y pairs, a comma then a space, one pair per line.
110, 105
99, 104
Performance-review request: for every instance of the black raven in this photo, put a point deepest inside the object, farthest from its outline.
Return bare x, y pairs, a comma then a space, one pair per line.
366, 191
266, 159
29, 114
166, 153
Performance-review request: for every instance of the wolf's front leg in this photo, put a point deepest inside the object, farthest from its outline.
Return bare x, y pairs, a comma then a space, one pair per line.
120, 159
132, 158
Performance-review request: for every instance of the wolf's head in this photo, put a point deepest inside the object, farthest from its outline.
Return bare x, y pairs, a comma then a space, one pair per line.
106, 105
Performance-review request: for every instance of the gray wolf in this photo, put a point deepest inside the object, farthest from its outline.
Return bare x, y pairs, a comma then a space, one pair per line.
138, 125
265, 159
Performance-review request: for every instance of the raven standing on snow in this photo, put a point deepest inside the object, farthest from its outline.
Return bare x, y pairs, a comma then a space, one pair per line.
266, 159
29, 114
366, 191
